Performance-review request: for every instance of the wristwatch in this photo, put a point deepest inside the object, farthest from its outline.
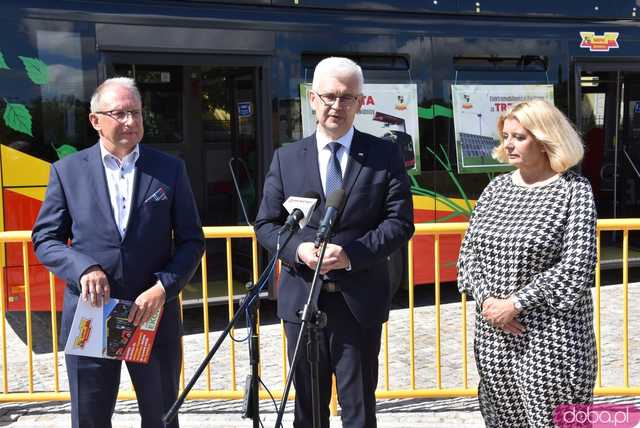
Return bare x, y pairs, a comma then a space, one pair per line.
517, 304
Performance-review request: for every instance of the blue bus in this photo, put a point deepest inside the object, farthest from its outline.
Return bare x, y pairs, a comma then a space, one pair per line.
221, 88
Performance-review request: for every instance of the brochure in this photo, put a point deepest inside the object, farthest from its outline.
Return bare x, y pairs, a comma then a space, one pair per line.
105, 332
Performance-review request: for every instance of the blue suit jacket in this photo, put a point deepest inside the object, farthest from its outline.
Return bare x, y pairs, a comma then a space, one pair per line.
163, 240
376, 220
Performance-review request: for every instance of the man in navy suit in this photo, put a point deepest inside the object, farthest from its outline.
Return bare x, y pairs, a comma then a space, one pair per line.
130, 216
377, 219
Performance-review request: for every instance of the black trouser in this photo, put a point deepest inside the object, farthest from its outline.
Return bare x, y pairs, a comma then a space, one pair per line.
94, 384
351, 353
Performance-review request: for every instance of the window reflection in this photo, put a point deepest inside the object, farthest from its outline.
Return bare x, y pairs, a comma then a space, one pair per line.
289, 120
229, 136
161, 90
45, 87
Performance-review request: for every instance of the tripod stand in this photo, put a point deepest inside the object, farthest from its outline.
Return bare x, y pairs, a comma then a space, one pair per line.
247, 304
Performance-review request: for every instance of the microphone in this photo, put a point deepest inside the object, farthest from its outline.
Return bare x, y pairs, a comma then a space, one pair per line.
335, 203
300, 209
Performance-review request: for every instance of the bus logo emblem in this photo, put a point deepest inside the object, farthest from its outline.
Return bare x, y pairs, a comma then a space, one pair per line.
599, 43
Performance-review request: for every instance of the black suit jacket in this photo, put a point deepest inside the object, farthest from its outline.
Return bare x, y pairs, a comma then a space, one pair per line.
164, 236
376, 220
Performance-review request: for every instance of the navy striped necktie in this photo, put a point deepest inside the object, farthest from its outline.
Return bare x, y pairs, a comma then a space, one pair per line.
334, 172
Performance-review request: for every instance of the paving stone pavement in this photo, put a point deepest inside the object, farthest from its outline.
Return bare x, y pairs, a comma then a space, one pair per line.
453, 412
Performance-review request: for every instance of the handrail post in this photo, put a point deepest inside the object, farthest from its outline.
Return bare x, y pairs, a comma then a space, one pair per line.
27, 310
436, 253
54, 332
412, 345
232, 347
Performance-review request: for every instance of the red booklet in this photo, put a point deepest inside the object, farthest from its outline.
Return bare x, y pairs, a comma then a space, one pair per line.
105, 332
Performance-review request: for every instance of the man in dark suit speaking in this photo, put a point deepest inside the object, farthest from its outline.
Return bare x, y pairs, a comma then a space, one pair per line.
376, 220
135, 234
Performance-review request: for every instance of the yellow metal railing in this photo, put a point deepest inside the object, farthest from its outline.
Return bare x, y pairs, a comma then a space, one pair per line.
624, 225
28, 392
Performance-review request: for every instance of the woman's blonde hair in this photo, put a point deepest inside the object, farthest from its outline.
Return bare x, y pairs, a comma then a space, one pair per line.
550, 127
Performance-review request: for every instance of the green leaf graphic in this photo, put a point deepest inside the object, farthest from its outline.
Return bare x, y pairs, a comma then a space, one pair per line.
16, 116
37, 70
3, 63
65, 150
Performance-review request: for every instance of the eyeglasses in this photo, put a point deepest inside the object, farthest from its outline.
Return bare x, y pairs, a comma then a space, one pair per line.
122, 115
330, 99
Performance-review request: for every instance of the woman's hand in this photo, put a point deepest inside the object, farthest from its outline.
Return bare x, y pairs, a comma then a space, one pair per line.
514, 327
501, 314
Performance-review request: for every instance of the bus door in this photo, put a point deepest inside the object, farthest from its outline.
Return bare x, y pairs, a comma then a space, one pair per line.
608, 117
207, 112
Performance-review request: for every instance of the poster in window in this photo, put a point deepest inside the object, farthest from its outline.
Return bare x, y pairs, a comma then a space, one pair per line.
476, 109
389, 111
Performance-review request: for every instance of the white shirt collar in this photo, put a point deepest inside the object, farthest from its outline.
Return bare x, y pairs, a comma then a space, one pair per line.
131, 158
345, 141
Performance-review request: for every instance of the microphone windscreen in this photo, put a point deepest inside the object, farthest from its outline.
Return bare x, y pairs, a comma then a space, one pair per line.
311, 195
336, 199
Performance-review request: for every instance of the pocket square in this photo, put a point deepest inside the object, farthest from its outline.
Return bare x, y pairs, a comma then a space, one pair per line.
158, 195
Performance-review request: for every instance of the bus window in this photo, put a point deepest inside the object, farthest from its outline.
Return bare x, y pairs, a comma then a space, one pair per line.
45, 89
610, 125
206, 115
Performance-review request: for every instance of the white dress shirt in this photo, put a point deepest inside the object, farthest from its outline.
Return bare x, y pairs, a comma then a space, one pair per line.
324, 153
120, 176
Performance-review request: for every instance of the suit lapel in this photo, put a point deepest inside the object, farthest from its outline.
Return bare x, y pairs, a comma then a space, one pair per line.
309, 159
141, 182
99, 183
357, 156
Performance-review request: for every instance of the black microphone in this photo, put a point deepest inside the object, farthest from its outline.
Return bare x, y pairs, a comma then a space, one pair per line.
335, 203
296, 215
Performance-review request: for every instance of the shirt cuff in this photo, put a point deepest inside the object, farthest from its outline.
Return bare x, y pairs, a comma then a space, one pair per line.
298, 257
159, 281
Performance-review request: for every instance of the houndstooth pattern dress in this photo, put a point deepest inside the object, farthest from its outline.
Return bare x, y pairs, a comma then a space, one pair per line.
537, 243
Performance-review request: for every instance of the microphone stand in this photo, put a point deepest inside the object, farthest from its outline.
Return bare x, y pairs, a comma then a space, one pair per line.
251, 403
313, 320
252, 295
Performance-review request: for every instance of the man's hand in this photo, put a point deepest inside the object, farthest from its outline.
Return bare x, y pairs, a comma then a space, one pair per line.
147, 304
334, 258
95, 286
501, 314
308, 255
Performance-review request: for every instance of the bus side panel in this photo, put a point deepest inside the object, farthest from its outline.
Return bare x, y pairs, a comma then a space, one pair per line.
21, 209
424, 251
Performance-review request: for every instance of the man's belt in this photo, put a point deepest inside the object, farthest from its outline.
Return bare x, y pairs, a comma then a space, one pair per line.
330, 287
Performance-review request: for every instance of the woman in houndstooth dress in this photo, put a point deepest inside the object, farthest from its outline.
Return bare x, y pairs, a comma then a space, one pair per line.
528, 260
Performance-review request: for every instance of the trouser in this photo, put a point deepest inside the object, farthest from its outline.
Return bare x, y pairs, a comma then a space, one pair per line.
347, 350
94, 384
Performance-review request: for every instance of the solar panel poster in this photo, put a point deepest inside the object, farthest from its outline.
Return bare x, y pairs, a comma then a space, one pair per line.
389, 111
476, 109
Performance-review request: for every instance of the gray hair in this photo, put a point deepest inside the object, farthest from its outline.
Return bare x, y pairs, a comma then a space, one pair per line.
125, 82
337, 66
